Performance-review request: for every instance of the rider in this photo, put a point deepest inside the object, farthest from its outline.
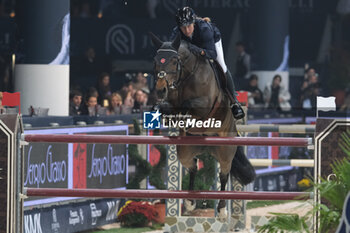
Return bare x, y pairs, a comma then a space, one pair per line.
205, 40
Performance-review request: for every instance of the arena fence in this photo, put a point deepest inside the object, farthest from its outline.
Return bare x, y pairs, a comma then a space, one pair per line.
328, 132
265, 128
282, 162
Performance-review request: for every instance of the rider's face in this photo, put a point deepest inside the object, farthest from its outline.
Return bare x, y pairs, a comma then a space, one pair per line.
187, 30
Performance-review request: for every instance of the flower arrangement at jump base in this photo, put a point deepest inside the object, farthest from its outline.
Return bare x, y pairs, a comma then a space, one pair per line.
137, 214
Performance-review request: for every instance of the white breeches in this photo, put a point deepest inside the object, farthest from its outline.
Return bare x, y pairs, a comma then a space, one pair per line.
220, 55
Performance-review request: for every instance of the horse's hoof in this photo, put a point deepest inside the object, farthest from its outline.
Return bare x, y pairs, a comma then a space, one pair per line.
186, 213
189, 205
222, 215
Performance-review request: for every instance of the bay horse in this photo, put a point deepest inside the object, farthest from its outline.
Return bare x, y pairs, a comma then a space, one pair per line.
186, 83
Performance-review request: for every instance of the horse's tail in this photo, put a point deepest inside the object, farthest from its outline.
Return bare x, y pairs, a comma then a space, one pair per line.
241, 167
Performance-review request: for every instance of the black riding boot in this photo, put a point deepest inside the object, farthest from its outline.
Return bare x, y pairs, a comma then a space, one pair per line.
236, 108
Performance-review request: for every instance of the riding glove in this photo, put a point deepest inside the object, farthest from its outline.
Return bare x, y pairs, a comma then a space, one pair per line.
196, 50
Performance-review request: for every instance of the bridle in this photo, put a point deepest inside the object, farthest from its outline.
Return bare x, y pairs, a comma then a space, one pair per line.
178, 71
162, 74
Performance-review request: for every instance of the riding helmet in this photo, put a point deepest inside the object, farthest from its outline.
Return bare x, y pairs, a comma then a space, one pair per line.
185, 16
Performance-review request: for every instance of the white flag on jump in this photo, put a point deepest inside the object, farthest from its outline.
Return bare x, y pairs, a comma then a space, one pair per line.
326, 103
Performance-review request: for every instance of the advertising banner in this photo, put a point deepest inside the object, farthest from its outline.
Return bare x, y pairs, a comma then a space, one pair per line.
74, 217
106, 164
75, 165
46, 165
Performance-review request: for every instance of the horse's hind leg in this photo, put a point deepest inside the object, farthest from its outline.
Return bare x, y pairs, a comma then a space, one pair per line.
221, 208
224, 155
190, 205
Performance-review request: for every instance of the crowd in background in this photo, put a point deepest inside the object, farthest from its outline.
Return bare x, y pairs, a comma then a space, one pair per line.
103, 100
135, 93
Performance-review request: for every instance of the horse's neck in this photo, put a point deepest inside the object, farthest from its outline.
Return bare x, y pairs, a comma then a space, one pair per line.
188, 61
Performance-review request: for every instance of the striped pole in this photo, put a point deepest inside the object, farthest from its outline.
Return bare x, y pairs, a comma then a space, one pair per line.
165, 194
282, 162
177, 140
261, 128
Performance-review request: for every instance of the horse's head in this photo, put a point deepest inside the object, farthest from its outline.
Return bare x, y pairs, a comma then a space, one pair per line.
167, 66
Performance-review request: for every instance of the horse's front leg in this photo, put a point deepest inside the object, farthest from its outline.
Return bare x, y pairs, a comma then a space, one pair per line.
221, 208
199, 106
190, 205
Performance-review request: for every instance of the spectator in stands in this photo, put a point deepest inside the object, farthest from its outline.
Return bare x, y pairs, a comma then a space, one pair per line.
1, 107
75, 107
276, 96
242, 69
308, 73
127, 87
255, 95
115, 104
92, 91
92, 108
128, 101
146, 94
104, 89
140, 82
309, 91
140, 100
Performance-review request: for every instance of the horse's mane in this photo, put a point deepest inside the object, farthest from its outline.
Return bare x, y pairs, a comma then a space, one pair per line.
183, 49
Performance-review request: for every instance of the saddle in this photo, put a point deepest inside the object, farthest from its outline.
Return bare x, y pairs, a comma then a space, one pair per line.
220, 76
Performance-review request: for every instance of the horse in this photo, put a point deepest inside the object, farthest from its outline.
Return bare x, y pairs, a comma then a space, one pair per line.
186, 84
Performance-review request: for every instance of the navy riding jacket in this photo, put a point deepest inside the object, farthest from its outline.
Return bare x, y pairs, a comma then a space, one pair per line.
204, 36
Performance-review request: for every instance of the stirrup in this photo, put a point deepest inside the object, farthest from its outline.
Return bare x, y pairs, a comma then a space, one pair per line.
237, 111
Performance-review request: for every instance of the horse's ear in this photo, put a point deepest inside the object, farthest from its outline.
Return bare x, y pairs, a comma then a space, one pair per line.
177, 41
156, 41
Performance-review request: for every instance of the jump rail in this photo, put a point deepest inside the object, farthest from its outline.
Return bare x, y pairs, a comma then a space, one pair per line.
282, 162
258, 128
163, 194
177, 140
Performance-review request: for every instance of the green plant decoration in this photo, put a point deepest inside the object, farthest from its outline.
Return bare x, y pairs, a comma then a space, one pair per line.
285, 223
332, 191
143, 167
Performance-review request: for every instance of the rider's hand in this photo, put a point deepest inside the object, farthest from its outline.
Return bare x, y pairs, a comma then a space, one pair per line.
196, 50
